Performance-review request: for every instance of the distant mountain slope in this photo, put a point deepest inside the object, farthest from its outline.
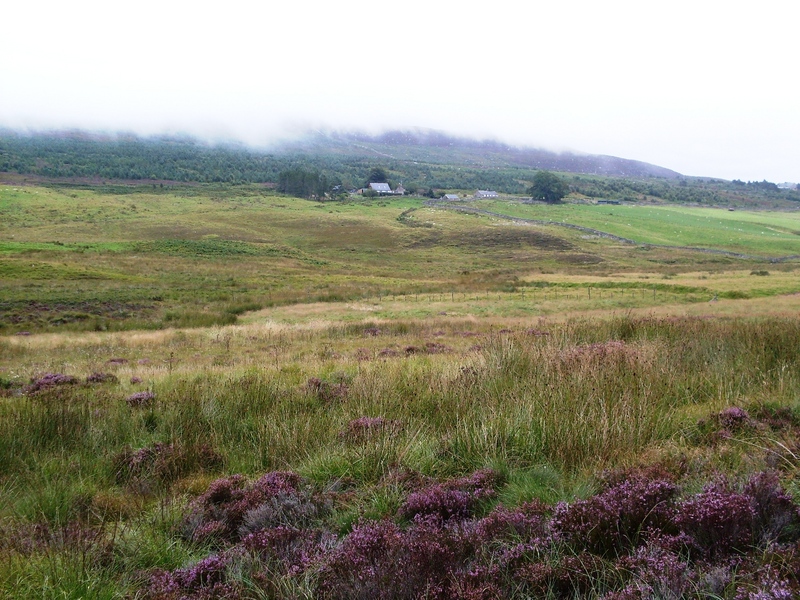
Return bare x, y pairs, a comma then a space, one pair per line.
437, 147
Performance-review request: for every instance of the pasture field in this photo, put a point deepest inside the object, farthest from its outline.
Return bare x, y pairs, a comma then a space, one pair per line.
217, 392
763, 233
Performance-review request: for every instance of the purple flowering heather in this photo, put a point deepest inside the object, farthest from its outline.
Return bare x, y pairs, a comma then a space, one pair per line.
140, 399
378, 560
436, 500
663, 572
205, 580
614, 520
720, 521
776, 516
289, 549
733, 418
524, 522
50, 380
242, 508
770, 587
455, 499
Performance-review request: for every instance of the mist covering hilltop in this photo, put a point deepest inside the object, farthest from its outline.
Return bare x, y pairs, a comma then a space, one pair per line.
424, 145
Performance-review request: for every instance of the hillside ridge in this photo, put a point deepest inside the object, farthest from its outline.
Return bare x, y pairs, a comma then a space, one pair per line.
423, 145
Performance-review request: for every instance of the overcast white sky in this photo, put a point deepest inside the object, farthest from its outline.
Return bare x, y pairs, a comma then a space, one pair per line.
703, 87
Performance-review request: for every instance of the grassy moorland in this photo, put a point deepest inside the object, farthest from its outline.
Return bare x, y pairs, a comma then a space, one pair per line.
217, 392
85, 259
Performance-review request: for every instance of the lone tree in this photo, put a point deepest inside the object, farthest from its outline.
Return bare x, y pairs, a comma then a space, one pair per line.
548, 187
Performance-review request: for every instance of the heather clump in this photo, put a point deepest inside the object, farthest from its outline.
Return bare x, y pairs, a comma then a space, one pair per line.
454, 499
725, 424
365, 564
206, 580
508, 524
732, 418
614, 521
718, 520
48, 381
657, 572
102, 378
775, 515
283, 509
381, 561
232, 507
769, 584
288, 549
438, 501
141, 399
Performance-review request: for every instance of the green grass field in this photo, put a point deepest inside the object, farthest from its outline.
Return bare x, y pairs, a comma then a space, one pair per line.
761, 233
